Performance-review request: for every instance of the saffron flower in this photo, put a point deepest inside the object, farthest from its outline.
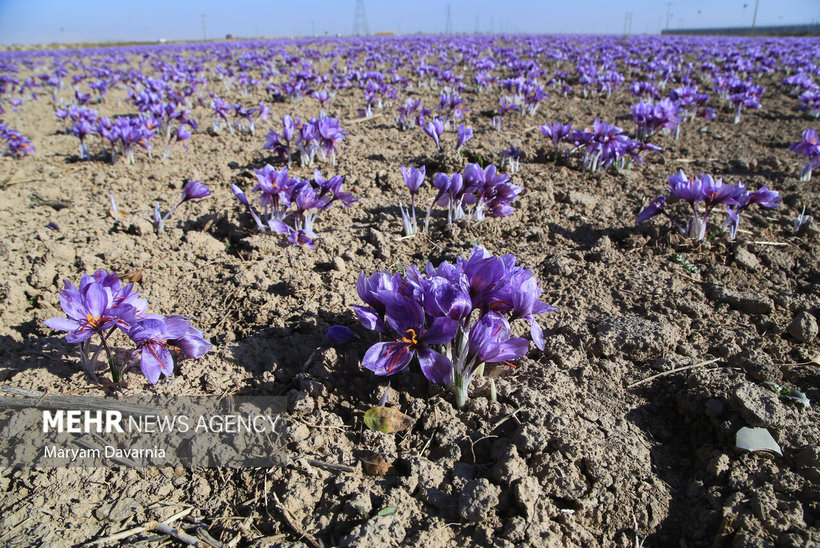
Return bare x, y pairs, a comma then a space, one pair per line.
101, 305
465, 133
435, 129
808, 146
413, 179
405, 319
193, 190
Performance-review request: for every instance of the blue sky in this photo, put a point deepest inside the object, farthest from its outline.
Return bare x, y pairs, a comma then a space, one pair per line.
72, 21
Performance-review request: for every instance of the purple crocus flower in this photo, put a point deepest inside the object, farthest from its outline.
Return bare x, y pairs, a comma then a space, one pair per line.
413, 177
765, 197
339, 334
655, 207
808, 146
91, 309
490, 342
405, 319
465, 133
194, 190
192, 343
435, 129
151, 337
683, 188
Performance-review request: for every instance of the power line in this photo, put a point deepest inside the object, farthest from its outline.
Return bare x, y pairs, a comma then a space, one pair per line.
448, 27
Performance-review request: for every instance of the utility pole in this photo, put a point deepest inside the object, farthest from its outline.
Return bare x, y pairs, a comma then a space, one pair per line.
204, 28
360, 27
477, 28
628, 22
668, 10
754, 17
448, 27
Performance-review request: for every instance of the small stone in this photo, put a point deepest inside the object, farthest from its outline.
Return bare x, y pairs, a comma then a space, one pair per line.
478, 499
339, 264
637, 338
378, 531
760, 407
43, 276
750, 303
64, 254
527, 493
804, 326
758, 365
138, 226
746, 259
529, 439
719, 465
119, 511
204, 245
580, 198
300, 402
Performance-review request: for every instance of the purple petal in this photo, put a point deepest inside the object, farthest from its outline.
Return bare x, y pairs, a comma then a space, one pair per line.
156, 359
388, 358
508, 350
96, 300
192, 344
537, 334
441, 331
435, 367
369, 318
71, 301
62, 324
175, 327
339, 334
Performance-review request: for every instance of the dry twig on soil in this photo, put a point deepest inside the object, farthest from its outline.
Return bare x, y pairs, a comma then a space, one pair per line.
676, 370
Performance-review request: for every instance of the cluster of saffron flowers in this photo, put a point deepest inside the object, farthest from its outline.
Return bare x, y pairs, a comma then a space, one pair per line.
453, 318
653, 117
604, 145
244, 118
14, 143
710, 193
472, 194
101, 305
809, 147
278, 192
318, 136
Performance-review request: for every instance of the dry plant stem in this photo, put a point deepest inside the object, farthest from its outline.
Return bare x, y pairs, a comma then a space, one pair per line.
293, 525
776, 244
331, 465
177, 534
208, 539
677, 370
360, 120
137, 530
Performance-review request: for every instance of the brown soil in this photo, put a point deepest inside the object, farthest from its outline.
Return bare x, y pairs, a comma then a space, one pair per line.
569, 454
